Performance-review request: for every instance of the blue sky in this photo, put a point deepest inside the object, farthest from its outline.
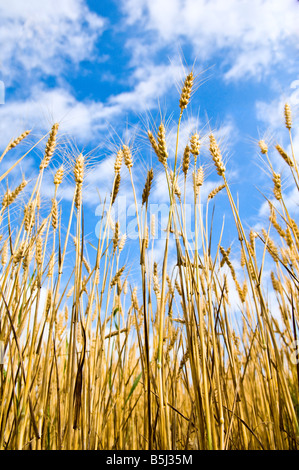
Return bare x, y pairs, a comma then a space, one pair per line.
108, 70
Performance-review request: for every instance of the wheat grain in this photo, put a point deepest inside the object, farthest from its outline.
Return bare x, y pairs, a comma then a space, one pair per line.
115, 188
127, 157
186, 91
288, 116
58, 176
163, 154
215, 191
122, 242
263, 146
50, 147
147, 187
284, 155
216, 154
116, 236
118, 161
4, 253
54, 214
10, 196
277, 186
16, 141
117, 277
195, 145
186, 160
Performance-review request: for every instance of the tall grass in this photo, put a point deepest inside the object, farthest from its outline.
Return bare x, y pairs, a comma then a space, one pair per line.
101, 364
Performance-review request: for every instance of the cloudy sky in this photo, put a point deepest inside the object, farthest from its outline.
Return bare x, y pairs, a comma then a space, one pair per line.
109, 70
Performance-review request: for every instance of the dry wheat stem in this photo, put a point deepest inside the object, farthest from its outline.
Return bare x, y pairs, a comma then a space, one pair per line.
119, 360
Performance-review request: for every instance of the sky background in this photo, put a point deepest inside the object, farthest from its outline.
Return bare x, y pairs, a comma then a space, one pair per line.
108, 71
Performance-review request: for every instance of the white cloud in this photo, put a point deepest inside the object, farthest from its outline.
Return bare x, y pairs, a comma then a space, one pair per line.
272, 113
45, 106
42, 38
251, 35
84, 119
149, 82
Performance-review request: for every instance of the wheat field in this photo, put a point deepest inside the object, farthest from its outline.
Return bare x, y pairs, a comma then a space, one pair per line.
101, 363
